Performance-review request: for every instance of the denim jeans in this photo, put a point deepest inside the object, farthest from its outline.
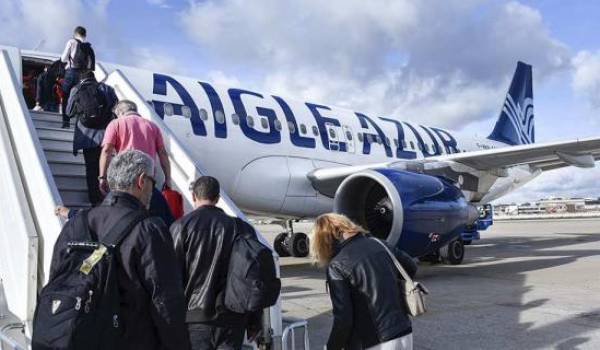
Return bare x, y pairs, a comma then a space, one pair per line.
208, 337
71, 79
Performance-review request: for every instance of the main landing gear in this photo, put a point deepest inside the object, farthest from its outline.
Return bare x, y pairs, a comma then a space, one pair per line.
451, 254
290, 243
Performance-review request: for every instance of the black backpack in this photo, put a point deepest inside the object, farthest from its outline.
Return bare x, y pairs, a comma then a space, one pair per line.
79, 307
84, 57
252, 282
90, 106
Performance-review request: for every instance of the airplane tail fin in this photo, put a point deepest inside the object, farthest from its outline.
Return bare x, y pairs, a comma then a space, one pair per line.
515, 126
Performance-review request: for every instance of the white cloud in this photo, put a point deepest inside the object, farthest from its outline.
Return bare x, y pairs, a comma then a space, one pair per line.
586, 76
26, 24
566, 182
160, 3
444, 62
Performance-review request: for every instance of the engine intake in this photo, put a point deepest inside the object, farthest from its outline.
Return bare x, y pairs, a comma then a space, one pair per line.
419, 213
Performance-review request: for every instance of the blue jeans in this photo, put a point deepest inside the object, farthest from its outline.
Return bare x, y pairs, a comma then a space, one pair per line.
71, 79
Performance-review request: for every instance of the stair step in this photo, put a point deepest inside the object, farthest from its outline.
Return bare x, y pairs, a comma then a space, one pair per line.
74, 196
57, 133
55, 155
50, 123
70, 181
67, 168
54, 144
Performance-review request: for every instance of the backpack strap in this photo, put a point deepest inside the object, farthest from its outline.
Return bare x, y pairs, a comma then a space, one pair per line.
123, 227
80, 221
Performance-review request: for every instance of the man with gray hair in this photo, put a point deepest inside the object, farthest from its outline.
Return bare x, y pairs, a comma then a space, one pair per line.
150, 283
132, 131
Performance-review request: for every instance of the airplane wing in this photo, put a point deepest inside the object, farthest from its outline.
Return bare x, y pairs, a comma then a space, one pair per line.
544, 156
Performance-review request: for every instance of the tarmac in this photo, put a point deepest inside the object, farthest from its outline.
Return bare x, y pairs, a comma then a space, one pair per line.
524, 285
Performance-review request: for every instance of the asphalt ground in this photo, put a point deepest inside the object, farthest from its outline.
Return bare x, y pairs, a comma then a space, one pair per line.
524, 285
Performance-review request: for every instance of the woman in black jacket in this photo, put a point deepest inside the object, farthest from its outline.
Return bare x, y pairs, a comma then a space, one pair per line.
368, 309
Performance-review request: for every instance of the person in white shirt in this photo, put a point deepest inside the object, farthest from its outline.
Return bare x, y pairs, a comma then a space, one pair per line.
79, 58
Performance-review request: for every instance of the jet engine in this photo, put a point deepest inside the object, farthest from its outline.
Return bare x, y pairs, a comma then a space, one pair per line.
416, 212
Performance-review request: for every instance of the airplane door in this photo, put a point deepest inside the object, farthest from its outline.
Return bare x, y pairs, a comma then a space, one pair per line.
333, 134
349, 136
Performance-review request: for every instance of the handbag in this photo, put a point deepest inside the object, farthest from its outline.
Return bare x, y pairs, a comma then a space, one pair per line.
175, 201
414, 292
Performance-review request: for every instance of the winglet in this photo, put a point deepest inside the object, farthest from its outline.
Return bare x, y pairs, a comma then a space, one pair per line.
515, 126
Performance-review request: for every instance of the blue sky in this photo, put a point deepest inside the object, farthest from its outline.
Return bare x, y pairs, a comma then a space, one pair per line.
445, 63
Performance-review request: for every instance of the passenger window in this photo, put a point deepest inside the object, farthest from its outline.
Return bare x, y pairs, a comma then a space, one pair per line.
421, 147
250, 121
403, 144
291, 127
360, 137
332, 133
379, 141
277, 125
235, 119
348, 135
220, 117
315, 130
387, 141
203, 114
186, 112
396, 143
412, 145
264, 122
168, 109
303, 129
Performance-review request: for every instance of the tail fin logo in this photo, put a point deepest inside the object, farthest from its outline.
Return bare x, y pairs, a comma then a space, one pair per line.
521, 117
515, 125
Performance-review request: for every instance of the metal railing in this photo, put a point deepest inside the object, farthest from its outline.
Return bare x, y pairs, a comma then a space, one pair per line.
288, 339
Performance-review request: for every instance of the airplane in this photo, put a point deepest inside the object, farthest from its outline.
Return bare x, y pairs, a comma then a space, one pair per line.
425, 189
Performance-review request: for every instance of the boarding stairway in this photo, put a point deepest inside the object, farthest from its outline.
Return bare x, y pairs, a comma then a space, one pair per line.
39, 172
67, 170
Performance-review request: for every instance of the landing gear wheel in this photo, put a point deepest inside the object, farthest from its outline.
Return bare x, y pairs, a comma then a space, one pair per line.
279, 245
453, 253
298, 246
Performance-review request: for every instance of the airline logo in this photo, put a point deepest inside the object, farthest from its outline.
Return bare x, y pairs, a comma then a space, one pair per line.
521, 118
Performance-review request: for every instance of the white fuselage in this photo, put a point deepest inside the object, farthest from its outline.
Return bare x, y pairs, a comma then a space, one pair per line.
261, 147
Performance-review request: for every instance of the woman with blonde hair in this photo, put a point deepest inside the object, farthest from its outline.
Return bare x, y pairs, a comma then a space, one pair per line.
367, 306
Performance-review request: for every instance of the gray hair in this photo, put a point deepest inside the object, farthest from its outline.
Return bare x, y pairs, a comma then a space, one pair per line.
125, 107
125, 168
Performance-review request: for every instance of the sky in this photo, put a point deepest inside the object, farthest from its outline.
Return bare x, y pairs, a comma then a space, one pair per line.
441, 63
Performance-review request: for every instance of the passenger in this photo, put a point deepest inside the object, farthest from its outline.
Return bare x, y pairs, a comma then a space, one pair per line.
44, 100
79, 57
151, 297
131, 131
203, 243
92, 103
48, 84
367, 308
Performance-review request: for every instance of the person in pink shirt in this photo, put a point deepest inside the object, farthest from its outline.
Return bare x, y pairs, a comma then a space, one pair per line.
132, 131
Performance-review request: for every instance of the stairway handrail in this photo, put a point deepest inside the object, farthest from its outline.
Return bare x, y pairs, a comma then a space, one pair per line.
39, 190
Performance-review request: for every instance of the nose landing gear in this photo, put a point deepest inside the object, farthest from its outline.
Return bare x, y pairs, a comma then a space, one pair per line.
290, 243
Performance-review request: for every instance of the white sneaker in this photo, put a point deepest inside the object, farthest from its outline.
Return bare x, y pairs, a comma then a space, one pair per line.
38, 108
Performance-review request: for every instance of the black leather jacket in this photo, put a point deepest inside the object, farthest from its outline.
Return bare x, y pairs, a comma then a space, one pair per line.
203, 241
367, 308
152, 303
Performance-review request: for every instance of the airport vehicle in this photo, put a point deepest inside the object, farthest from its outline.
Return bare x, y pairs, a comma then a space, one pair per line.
416, 186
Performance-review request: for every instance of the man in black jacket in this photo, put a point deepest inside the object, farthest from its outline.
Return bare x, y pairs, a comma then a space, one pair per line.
203, 243
152, 303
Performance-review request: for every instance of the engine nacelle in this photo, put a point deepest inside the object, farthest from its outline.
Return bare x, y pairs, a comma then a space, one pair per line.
418, 213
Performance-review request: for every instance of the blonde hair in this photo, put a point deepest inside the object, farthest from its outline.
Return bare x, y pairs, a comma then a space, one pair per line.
329, 228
